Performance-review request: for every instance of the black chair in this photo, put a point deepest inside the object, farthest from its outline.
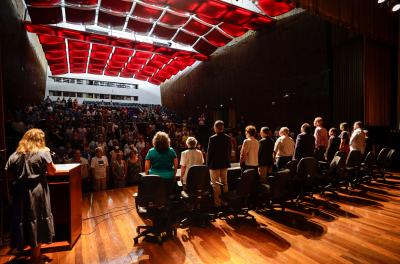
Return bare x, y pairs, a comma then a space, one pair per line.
198, 196
237, 201
367, 167
334, 176
275, 192
152, 203
307, 173
292, 166
353, 165
341, 154
382, 163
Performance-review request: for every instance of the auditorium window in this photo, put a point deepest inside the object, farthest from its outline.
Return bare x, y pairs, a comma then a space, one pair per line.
117, 97
135, 98
87, 95
55, 93
69, 94
79, 81
94, 82
79, 95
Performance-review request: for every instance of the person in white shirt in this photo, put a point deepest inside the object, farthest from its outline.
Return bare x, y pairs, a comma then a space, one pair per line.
190, 157
99, 168
357, 139
284, 148
249, 150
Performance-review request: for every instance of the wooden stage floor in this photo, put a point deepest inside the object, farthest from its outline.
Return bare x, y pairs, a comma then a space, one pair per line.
360, 227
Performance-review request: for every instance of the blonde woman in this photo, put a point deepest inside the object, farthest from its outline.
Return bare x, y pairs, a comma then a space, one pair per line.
32, 220
284, 148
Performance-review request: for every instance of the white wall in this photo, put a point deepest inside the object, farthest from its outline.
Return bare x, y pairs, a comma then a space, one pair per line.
147, 92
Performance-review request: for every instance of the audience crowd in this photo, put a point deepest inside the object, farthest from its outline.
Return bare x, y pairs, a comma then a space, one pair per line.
115, 143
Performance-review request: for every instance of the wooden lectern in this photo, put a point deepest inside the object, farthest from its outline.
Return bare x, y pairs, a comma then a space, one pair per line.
66, 204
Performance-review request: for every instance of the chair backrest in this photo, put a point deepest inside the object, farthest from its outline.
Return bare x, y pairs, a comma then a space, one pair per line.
292, 166
198, 179
246, 183
280, 184
369, 160
382, 156
354, 158
152, 191
308, 168
336, 167
341, 154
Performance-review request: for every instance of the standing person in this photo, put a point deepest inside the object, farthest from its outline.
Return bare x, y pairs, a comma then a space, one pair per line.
249, 150
321, 138
344, 138
218, 159
333, 144
357, 139
265, 154
134, 167
99, 168
32, 220
119, 170
191, 156
305, 143
84, 170
284, 148
162, 160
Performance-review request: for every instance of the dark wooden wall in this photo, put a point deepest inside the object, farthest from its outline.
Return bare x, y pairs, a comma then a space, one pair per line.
254, 75
23, 73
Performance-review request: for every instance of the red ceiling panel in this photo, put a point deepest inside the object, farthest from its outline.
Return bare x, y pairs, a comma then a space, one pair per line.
213, 9
111, 20
55, 54
171, 70
59, 72
126, 75
145, 73
100, 55
45, 39
196, 27
56, 47
174, 19
129, 71
258, 22
276, 8
161, 58
101, 48
163, 74
117, 5
238, 16
204, 47
133, 67
217, 38
139, 61
139, 26
45, 15
154, 81
141, 77
95, 62
185, 38
111, 73
78, 45
143, 55
77, 69
147, 12
82, 2
43, 2
94, 71
186, 5
233, 30
58, 60
119, 58
150, 69
156, 64
72, 34
77, 60
78, 53
163, 32
116, 64
83, 16
123, 52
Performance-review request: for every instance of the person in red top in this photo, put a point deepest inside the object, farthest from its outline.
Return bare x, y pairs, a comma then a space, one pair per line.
321, 138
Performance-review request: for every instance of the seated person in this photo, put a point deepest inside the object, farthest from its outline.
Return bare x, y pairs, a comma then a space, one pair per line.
161, 160
191, 156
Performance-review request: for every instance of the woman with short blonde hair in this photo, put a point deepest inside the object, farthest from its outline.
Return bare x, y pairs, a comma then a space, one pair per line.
32, 220
191, 156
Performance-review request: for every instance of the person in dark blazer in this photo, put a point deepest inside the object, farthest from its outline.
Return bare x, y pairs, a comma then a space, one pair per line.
218, 159
265, 154
333, 144
305, 143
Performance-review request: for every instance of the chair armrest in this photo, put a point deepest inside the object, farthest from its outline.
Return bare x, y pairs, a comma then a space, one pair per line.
179, 183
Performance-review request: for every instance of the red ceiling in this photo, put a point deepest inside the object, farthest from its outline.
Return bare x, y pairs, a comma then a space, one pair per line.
97, 54
203, 24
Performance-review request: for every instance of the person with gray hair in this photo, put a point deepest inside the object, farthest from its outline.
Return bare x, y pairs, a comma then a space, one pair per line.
191, 156
284, 148
218, 159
